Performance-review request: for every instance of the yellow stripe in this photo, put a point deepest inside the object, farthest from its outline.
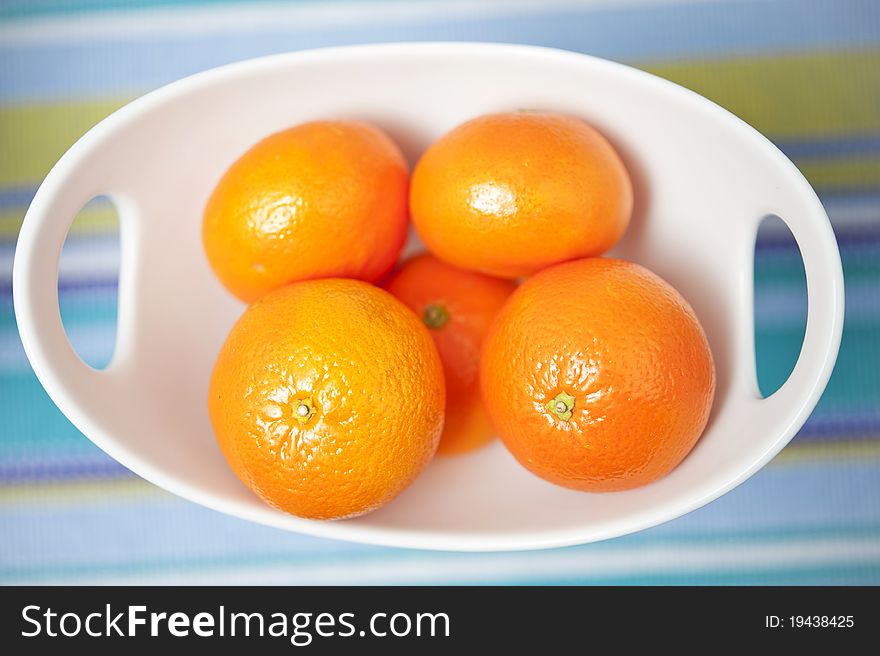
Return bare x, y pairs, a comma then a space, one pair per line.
844, 450
784, 96
78, 492
842, 173
34, 136
793, 95
88, 222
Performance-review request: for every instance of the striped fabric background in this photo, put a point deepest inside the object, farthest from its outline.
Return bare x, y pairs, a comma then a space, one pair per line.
804, 72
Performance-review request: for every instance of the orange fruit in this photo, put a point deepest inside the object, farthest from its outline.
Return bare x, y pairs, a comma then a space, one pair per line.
597, 375
457, 306
510, 194
327, 398
322, 199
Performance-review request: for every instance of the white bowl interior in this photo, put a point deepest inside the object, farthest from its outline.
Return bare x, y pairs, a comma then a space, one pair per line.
703, 179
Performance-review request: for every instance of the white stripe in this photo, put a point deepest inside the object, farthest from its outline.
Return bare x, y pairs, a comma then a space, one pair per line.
198, 21
600, 563
849, 213
87, 260
843, 213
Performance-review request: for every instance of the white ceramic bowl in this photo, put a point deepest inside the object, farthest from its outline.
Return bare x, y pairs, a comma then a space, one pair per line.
703, 178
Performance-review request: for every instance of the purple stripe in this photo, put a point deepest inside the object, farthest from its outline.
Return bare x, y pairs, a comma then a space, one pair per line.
72, 286
55, 470
87, 285
849, 194
827, 430
836, 426
867, 234
852, 145
20, 196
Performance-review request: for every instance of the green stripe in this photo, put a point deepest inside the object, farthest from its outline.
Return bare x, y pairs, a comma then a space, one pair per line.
100, 221
857, 451
10, 223
762, 90
34, 136
834, 92
842, 174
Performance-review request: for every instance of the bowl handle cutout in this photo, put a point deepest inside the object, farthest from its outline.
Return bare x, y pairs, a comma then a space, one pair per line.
89, 262
73, 385
805, 217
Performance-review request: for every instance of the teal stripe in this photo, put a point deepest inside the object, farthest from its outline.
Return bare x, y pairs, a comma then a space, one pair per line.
96, 305
366, 553
867, 573
775, 357
12, 9
853, 384
859, 574
32, 422
66, 449
89, 306
84, 315
740, 535
785, 264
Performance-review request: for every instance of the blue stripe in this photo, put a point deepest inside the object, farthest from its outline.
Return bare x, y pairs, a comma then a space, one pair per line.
848, 236
16, 197
853, 145
837, 426
48, 70
44, 470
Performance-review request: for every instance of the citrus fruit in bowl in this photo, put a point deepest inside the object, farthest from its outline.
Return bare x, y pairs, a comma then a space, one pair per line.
598, 375
458, 307
701, 182
317, 200
539, 187
327, 398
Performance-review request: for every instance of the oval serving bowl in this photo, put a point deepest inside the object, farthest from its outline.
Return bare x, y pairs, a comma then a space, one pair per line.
704, 180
